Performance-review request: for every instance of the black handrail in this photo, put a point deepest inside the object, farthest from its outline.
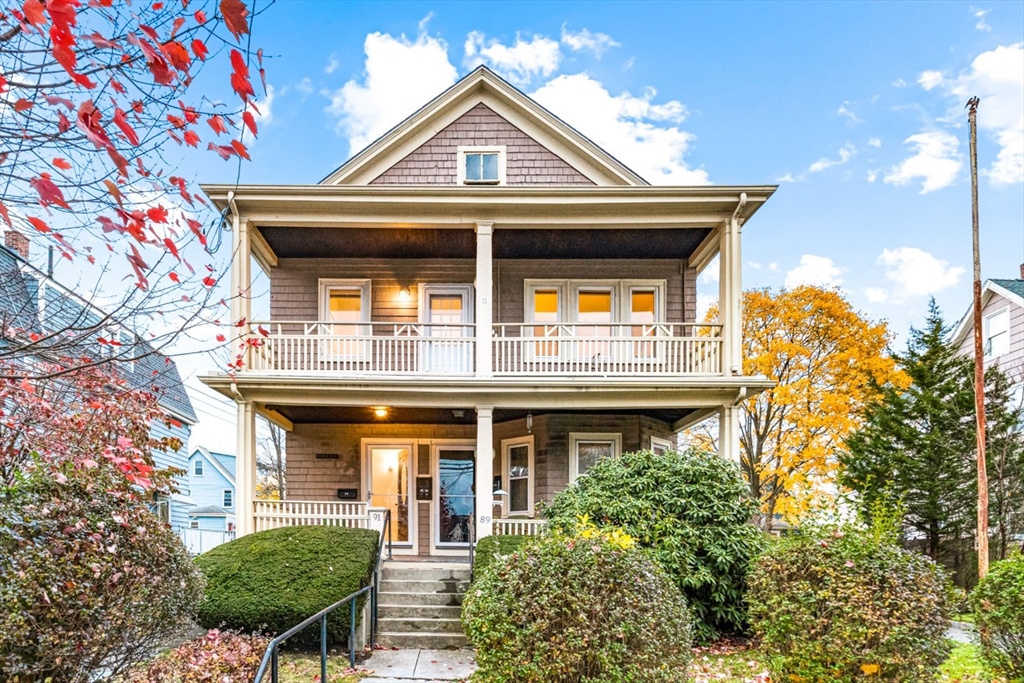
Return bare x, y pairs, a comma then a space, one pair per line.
270, 657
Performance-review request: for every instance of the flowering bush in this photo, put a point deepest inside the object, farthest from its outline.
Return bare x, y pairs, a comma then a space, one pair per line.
835, 607
90, 580
217, 657
578, 607
998, 602
692, 510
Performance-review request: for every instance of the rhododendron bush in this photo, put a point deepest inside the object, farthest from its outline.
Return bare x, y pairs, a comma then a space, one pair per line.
104, 103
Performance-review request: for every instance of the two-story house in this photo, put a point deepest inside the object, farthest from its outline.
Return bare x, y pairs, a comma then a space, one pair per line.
32, 302
211, 485
1002, 332
469, 313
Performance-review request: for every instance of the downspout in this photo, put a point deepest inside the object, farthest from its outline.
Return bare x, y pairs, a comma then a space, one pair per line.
736, 286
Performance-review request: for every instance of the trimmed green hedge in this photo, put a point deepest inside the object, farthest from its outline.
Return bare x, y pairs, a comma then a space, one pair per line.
269, 581
998, 602
492, 547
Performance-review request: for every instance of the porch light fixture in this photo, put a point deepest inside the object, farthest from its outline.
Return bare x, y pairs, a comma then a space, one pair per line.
404, 294
529, 423
380, 411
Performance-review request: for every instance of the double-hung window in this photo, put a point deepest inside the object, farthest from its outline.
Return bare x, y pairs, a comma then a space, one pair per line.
229, 498
587, 449
997, 334
517, 460
345, 312
197, 467
482, 165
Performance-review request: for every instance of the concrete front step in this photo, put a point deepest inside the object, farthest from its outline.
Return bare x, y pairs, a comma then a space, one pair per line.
414, 586
389, 611
408, 598
433, 625
423, 641
425, 572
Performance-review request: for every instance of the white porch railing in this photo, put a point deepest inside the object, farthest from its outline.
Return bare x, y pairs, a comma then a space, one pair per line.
361, 348
273, 514
518, 527
603, 350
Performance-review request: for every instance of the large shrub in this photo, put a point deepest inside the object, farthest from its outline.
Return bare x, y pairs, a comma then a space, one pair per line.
90, 580
998, 602
492, 548
586, 608
836, 607
693, 511
217, 657
272, 580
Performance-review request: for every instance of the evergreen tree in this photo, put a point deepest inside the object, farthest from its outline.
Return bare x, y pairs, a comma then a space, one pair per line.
917, 444
1004, 453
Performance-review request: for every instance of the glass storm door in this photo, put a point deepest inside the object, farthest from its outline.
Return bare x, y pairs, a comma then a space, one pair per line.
390, 481
448, 351
455, 479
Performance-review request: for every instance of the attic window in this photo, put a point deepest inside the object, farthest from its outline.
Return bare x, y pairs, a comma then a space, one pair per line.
481, 165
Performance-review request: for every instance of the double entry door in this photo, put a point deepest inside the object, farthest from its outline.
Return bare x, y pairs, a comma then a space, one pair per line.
390, 485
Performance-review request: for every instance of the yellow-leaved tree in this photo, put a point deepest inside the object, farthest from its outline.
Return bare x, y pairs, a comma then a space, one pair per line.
824, 356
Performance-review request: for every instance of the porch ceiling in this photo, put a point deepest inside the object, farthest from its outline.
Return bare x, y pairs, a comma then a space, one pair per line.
443, 416
602, 243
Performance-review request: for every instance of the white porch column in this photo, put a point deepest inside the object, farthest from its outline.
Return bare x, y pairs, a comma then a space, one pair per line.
729, 433
241, 271
245, 469
484, 470
730, 297
484, 298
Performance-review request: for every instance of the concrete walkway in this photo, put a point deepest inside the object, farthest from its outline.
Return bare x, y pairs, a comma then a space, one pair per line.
403, 666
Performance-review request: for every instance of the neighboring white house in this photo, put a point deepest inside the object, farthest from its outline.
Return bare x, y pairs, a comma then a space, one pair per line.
1002, 315
469, 313
211, 480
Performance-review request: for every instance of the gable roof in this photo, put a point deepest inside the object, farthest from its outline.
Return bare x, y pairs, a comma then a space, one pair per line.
1011, 290
208, 511
213, 460
484, 86
20, 286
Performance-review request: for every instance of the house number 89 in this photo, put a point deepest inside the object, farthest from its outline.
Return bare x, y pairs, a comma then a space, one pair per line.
484, 519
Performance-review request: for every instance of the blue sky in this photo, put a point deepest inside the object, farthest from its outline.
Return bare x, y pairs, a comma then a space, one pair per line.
854, 109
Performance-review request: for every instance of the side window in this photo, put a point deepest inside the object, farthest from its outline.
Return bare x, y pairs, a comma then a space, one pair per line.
197, 467
482, 165
228, 498
587, 449
517, 459
660, 445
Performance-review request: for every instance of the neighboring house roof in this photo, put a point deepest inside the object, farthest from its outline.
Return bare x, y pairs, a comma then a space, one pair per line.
1011, 290
208, 511
214, 459
20, 283
484, 86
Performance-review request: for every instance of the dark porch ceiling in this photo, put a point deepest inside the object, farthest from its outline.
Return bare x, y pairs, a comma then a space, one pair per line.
433, 416
400, 243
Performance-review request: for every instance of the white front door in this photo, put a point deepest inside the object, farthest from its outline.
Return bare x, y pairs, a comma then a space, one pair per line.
446, 312
389, 486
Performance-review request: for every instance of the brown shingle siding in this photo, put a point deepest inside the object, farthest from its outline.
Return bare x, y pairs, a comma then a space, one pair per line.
527, 162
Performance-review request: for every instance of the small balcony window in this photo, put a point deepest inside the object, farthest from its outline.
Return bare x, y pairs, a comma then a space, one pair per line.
481, 165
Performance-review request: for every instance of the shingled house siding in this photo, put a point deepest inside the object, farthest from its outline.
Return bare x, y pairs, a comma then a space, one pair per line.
527, 162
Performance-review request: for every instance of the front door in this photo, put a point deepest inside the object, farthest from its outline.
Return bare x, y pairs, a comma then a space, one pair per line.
390, 484
455, 487
447, 314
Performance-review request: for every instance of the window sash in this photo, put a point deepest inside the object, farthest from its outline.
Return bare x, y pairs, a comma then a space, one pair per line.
197, 468
228, 498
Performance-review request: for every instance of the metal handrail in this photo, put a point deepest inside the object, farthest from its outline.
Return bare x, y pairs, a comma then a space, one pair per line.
270, 657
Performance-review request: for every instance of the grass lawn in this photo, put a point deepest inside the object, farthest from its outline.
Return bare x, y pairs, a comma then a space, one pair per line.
304, 667
738, 663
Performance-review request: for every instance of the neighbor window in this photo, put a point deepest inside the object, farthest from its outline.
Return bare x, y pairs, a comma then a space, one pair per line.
228, 496
586, 450
197, 468
193, 524
997, 334
518, 466
482, 165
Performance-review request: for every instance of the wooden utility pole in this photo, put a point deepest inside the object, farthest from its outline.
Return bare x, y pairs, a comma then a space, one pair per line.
979, 351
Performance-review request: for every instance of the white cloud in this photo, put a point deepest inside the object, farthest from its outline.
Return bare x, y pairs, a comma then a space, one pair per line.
627, 126
815, 270
711, 272
845, 154
843, 111
979, 14
899, 83
873, 174
400, 75
305, 86
930, 79
787, 178
598, 43
263, 110
917, 273
997, 78
520, 62
875, 295
936, 160
332, 65
874, 142
704, 303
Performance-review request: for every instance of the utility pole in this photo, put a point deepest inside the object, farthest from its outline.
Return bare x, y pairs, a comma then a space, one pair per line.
979, 352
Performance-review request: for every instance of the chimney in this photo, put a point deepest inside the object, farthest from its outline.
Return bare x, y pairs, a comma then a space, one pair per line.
1022, 271
17, 242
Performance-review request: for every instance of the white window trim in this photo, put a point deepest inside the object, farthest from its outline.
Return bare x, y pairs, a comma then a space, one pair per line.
575, 437
506, 479
463, 290
202, 468
227, 492
410, 547
568, 293
986, 337
463, 150
325, 285
658, 442
327, 348
436, 446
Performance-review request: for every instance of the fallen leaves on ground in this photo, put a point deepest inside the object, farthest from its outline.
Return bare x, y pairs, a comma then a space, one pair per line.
727, 661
